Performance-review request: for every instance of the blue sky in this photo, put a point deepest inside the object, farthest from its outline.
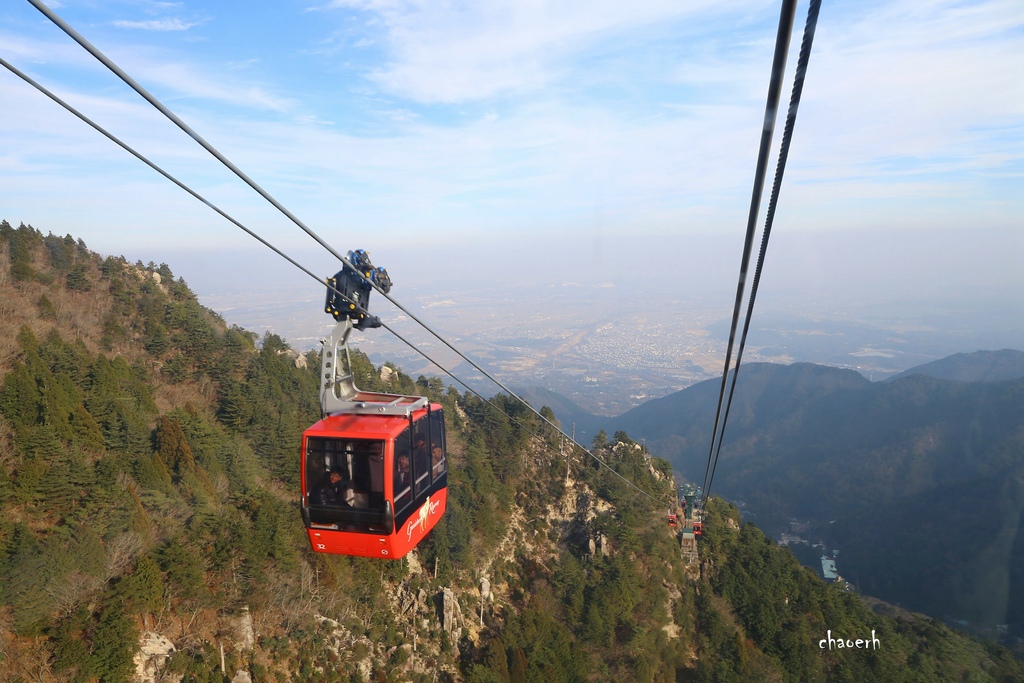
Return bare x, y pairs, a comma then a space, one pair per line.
389, 123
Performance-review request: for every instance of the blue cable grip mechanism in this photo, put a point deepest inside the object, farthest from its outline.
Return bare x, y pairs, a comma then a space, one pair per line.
348, 295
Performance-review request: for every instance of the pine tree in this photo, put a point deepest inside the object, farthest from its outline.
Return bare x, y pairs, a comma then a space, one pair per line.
173, 449
114, 643
517, 671
496, 661
142, 590
182, 568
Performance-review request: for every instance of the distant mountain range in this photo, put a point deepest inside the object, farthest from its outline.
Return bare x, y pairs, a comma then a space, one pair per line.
980, 366
918, 481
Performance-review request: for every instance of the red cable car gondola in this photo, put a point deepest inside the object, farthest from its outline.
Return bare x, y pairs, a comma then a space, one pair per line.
374, 469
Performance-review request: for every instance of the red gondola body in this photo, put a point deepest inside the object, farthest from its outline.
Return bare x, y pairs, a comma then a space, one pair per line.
374, 469
395, 481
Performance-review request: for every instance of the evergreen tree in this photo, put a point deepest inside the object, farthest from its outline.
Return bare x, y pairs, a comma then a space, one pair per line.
78, 279
71, 656
173, 449
114, 643
142, 590
182, 568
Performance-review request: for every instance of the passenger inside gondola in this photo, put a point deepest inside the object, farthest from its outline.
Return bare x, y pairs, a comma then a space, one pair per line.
437, 460
333, 490
351, 493
367, 459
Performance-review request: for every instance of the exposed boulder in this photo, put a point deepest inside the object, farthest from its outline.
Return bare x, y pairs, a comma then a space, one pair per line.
451, 614
154, 650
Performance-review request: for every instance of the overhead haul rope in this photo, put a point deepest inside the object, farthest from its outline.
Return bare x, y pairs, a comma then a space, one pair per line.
782, 38
787, 136
113, 138
64, 26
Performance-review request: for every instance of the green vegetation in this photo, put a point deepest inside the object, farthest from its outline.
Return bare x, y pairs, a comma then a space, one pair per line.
775, 612
148, 479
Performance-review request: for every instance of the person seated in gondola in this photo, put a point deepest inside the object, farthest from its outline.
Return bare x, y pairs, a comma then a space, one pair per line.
437, 459
402, 478
334, 490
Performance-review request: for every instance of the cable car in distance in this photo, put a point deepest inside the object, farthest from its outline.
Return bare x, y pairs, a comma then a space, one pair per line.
374, 470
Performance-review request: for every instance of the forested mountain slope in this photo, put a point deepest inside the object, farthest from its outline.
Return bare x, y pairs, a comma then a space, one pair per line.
148, 518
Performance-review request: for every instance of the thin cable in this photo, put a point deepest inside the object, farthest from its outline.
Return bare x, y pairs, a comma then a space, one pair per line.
110, 136
782, 38
787, 136
120, 73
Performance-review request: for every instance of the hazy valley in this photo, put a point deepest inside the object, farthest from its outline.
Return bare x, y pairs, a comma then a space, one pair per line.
609, 350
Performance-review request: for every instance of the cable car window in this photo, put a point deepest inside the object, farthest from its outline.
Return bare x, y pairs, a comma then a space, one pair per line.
326, 460
437, 444
368, 474
345, 482
403, 470
421, 456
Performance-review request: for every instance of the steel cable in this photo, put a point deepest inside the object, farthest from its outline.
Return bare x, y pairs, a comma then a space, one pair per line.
787, 136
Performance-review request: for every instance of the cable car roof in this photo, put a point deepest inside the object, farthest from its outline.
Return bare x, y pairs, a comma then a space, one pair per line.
365, 426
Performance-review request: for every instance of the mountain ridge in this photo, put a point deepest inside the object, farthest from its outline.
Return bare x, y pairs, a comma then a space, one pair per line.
819, 444
978, 366
147, 486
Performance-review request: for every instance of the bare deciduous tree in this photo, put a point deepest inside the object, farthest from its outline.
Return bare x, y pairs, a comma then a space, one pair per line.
73, 590
121, 551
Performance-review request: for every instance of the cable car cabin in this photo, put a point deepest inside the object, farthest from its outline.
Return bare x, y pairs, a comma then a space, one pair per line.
698, 529
672, 520
374, 471
374, 484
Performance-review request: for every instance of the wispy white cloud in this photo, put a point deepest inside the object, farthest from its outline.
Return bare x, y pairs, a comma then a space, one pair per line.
156, 69
194, 81
457, 52
157, 24
916, 89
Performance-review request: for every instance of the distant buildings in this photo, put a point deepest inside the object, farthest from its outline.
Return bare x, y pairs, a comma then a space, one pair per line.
828, 569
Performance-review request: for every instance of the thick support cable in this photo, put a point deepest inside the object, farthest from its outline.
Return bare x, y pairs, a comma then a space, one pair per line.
64, 26
110, 136
787, 136
782, 39
120, 73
